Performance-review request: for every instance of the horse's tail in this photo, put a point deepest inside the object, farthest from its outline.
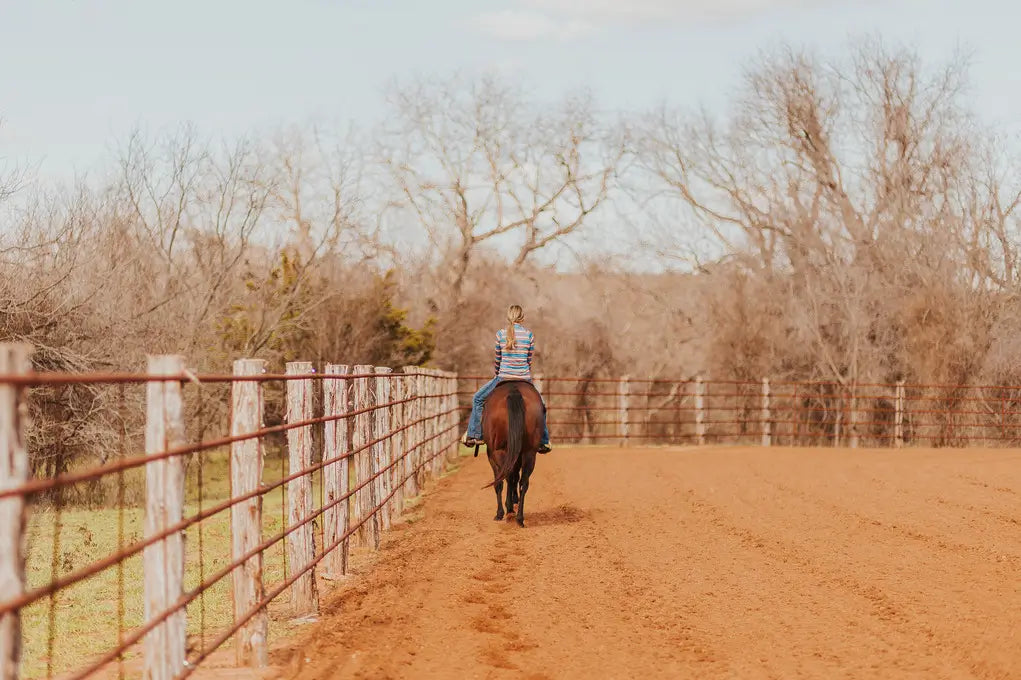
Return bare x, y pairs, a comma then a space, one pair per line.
515, 434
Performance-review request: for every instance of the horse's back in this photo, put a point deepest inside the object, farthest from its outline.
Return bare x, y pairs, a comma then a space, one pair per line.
530, 395
495, 415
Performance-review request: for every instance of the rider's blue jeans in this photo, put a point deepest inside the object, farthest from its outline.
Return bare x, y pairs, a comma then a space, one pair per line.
475, 419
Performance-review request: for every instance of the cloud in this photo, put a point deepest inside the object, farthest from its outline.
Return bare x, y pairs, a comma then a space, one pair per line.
533, 20
527, 25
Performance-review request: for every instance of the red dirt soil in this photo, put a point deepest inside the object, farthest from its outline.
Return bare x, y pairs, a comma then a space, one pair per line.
694, 563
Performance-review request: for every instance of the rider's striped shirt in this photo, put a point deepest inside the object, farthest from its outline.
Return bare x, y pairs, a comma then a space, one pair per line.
515, 363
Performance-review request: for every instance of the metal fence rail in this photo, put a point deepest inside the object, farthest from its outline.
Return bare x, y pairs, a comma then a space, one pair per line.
187, 568
790, 413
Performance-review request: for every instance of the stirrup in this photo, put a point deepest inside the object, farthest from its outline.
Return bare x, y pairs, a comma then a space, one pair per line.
471, 441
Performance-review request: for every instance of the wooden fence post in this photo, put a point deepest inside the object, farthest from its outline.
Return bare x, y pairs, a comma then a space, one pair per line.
441, 445
797, 418
15, 359
412, 412
852, 416
246, 462
365, 496
301, 541
382, 451
623, 390
699, 411
439, 464
399, 421
444, 440
767, 432
839, 419
450, 435
428, 412
453, 433
898, 416
1003, 419
426, 427
422, 411
163, 561
335, 474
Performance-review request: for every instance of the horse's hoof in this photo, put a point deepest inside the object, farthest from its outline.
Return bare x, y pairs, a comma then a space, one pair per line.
498, 517
521, 522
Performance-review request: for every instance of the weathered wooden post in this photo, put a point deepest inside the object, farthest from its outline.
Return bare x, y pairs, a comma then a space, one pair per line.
767, 431
425, 470
797, 418
246, 462
15, 360
1003, 418
399, 445
335, 474
300, 542
426, 427
699, 411
452, 435
839, 418
435, 445
449, 451
412, 413
368, 534
852, 416
429, 412
623, 391
898, 416
382, 451
163, 561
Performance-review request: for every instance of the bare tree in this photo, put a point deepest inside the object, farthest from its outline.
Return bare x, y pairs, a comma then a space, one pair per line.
844, 184
13, 177
475, 162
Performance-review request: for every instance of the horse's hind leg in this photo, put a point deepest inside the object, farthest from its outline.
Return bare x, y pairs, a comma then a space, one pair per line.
527, 465
512, 490
499, 501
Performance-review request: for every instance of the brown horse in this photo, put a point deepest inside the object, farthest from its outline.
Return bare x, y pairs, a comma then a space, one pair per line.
512, 420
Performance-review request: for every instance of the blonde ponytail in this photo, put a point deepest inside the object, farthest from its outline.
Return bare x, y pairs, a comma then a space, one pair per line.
514, 315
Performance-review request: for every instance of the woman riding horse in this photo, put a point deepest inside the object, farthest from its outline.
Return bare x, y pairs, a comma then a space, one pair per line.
512, 424
514, 347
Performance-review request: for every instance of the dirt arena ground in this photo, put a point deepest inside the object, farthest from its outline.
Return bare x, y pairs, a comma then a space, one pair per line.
684, 563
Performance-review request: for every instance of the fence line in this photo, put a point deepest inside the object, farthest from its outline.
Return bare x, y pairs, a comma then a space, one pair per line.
355, 445
370, 437
771, 412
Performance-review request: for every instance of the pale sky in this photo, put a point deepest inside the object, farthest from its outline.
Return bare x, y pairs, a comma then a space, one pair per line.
77, 75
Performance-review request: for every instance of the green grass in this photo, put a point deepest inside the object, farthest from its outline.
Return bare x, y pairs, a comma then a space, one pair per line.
87, 616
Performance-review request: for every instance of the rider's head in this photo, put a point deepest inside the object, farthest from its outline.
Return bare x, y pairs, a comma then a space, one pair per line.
514, 315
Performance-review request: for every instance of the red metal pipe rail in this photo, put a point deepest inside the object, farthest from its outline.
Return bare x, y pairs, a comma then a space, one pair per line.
653, 411
440, 416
